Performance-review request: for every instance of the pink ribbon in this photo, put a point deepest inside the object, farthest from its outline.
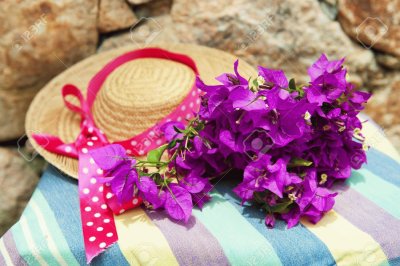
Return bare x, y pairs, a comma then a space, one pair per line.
97, 202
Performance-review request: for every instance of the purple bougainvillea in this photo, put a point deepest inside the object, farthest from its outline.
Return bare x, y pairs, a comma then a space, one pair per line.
288, 143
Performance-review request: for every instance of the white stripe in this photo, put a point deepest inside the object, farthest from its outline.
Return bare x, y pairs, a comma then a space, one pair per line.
4, 252
52, 245
28, 237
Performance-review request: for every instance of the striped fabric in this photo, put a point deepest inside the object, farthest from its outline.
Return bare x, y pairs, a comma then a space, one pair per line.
363, 228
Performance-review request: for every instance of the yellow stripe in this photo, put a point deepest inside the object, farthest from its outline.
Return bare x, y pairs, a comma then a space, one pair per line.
347, 244
141, 242
52, 245
31, 244
4, 253
376, 138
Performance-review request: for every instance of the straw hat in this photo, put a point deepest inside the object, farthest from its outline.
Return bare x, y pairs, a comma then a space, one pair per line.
133, 98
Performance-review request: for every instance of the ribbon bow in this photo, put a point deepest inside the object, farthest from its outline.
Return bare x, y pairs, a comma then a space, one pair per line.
98, 204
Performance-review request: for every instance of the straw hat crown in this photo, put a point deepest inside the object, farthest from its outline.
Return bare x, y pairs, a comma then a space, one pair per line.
138, 94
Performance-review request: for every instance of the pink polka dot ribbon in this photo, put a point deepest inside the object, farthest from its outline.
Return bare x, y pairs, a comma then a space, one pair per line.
98, 204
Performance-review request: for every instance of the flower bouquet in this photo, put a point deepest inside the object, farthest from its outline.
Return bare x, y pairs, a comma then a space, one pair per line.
286, 143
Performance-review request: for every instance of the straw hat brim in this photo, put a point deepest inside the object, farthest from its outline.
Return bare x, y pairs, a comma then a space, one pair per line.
48, 114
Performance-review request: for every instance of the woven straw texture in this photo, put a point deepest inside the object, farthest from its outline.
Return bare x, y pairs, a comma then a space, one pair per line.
134, 97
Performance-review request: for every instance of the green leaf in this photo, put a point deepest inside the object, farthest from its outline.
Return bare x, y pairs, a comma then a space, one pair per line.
156, 177
154, 156
292, 84
280, 207
299, 162
255, 83
303, 174
301, 92
199, 127
179, 130
142, 173
172, 144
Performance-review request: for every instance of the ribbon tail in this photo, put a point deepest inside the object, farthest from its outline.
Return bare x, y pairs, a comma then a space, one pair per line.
55, 145
98, 225
91, 254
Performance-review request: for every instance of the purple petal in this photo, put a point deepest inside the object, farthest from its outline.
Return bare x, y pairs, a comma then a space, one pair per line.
108, 156
193, 184
179, 205
150, 192
292, 217
245, 191
235, 67
169, 130
206, 88
123, 182
270, 220
275, 76
228, 140
275, 186
318, 68
245, 99
226, 78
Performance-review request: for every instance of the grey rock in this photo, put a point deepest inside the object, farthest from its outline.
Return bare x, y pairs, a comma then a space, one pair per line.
374, 24
388, 60
114, 15
289, 35
39, 39
17, 183
150, 31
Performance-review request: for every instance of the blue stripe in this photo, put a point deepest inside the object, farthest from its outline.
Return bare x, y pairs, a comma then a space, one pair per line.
39, 238
22, 245
296, 246
377, 190
383, 166
52, 227
61, 193
395, 262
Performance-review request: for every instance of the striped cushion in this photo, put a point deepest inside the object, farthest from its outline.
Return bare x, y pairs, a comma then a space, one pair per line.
363, 228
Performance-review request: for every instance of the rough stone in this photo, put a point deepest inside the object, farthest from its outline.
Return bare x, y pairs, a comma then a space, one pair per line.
13, 106
138, 2
388, 60
329, 7
114, 15
39, 39
373, 23
17, 183
283, 34
383, 107
151, 30
154, 8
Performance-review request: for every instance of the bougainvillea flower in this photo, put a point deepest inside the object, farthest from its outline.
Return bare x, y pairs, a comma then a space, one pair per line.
169, 130
119, 170
275, 76
289, 145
